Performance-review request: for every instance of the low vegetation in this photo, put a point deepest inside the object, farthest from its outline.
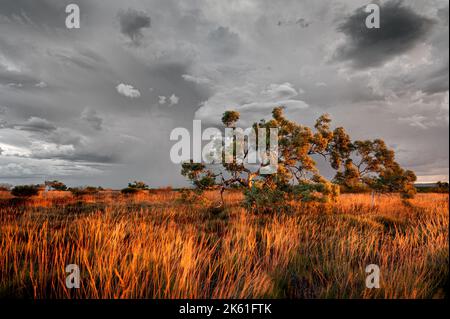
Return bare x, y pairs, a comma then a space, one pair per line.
170, 244
25, 190
439, 187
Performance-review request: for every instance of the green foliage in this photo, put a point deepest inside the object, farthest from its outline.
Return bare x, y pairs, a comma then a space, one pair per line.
260, 199
320, 191
138, 185
130, 191
394, 179
370, 164
264, 200
201, 178
229, 118
443, 185
25, 190
134, 188
56, 185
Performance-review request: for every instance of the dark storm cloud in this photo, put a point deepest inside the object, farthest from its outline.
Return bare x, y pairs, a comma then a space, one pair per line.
36, 124
16, 78
48, 142
401, 28
77, 156
132, 22
224, 41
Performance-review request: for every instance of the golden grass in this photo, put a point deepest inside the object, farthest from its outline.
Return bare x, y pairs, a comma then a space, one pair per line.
154, 246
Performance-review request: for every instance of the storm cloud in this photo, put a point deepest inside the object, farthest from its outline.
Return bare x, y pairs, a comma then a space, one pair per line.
36, 124
224, 41
132, 23
401, 28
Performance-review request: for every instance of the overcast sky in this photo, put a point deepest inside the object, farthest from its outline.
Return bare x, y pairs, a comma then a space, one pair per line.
95, 106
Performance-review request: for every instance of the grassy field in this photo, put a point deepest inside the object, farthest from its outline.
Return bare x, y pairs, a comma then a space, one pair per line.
157, 246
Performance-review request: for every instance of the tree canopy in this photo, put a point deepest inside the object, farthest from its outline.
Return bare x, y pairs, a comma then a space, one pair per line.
358, 164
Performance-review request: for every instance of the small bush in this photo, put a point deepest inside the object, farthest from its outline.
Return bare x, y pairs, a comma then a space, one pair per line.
135, 188
138, 185
56, 185
130, 191
25, 190
283, 198
264, 200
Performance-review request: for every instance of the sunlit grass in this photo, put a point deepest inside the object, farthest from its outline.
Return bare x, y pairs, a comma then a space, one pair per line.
155, 246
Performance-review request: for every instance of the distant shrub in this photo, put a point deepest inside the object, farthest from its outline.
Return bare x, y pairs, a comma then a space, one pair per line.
25, 190
138, 185
130, 191
134, 188
440, 187
56, 185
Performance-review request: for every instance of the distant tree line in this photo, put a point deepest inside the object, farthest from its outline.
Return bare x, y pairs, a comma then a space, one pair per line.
33, 190
439, 187
346, 185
